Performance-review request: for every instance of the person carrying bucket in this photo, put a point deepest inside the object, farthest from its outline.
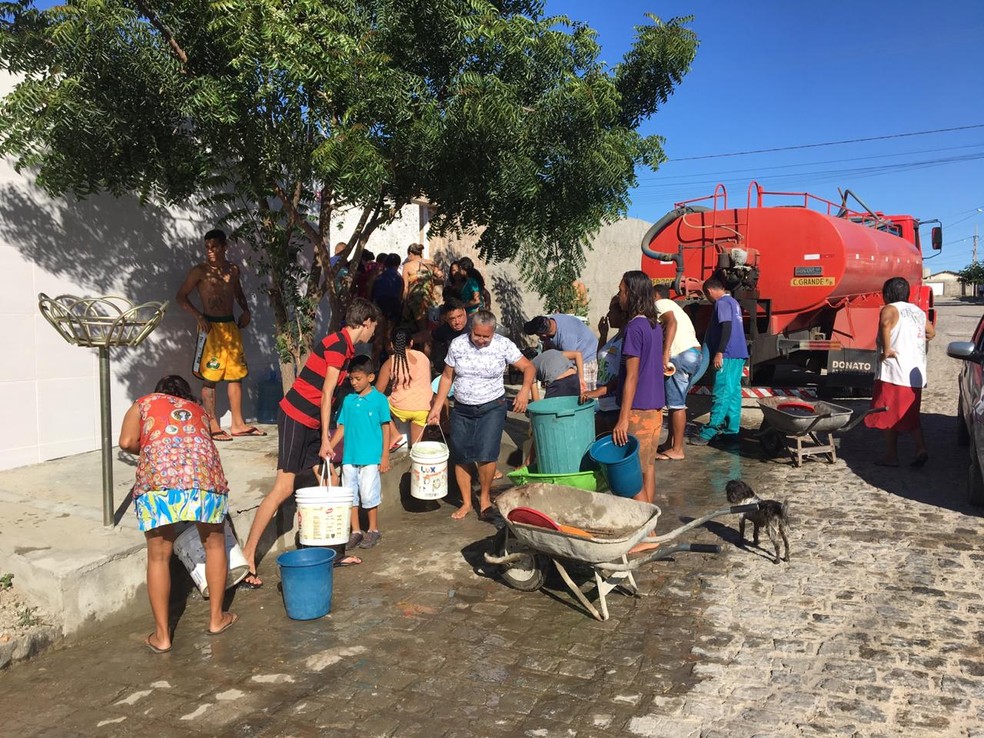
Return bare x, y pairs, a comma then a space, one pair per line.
179, 478
303, 419
640, 378
475, 364
365, 420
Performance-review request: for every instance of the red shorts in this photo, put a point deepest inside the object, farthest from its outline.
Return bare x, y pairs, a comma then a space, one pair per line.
903, 405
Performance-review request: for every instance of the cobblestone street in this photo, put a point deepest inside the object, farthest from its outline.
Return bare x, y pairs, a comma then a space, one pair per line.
873, 629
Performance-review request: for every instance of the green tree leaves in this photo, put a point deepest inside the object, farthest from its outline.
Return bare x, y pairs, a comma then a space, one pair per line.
287, 111
972, 273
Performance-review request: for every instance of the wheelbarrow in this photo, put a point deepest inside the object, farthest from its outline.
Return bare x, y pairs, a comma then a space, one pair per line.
597, 530
805, 429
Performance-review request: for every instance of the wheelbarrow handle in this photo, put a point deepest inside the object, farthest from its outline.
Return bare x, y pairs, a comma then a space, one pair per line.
811, 426
857, 419
660, 553
704, 548
751, 507
700, 521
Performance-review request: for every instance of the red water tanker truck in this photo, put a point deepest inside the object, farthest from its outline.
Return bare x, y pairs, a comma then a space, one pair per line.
807, 272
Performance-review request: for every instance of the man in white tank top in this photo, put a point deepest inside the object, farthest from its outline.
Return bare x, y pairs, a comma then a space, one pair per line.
903, 330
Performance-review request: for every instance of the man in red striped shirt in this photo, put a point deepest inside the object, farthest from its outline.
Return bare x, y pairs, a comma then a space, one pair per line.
304, 418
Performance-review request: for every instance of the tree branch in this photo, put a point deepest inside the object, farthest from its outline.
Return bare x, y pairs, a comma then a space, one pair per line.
161, 26
305, 225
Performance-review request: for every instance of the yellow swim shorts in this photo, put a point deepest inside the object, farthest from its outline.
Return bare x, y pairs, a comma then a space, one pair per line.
417, 417
219, 354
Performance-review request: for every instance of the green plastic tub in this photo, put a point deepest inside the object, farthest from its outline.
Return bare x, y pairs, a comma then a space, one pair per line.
589, 480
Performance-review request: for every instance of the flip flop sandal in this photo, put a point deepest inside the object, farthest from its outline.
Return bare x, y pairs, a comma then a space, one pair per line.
348, 561
154, 648
221, 436
233, 618
256, 583
251, 431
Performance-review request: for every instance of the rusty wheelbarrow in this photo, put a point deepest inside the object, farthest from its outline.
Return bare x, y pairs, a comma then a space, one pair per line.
803, 429
598, 530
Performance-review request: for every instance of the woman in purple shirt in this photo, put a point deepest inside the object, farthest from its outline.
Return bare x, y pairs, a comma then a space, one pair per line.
640, 377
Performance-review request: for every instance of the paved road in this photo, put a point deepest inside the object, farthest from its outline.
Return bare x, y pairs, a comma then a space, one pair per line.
873, 629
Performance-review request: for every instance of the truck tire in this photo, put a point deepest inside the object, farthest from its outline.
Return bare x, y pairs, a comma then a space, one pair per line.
963, 435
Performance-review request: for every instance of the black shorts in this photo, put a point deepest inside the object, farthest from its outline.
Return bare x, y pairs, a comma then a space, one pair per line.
569, 386
298, 445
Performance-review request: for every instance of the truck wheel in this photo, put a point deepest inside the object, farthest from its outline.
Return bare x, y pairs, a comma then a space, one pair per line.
963, 435
975, 480
526, 575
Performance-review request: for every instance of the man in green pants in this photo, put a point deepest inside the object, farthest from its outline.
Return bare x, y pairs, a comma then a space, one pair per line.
726, 340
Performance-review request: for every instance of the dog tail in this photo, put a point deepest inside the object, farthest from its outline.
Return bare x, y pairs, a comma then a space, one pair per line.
785, 512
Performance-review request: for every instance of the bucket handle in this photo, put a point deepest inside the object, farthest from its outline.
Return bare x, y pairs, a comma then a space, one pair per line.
443, 437
326, 466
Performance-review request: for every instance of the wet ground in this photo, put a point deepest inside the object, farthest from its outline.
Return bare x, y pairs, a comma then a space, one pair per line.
874, 628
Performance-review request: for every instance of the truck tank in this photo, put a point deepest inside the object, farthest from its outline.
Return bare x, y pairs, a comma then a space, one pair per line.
808, 272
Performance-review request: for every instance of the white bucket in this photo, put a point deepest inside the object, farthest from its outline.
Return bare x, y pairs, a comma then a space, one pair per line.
323, 515
188, 547
429, 470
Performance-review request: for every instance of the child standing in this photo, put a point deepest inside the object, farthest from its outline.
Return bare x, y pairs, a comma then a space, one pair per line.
364, 423
406, 374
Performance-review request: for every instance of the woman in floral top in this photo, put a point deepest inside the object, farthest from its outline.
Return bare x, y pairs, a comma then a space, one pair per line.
179, 478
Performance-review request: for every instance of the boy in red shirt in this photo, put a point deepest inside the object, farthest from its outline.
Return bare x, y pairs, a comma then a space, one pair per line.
304, 417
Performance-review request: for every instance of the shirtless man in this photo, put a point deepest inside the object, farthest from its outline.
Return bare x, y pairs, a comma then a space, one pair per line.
422, 283
219, 354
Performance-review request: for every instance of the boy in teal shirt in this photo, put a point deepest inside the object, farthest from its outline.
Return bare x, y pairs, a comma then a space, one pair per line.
363, 422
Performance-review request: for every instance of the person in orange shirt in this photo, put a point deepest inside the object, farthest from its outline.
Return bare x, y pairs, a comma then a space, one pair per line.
406, 376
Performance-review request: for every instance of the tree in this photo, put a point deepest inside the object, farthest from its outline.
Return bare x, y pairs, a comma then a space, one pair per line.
287, 112
972, 273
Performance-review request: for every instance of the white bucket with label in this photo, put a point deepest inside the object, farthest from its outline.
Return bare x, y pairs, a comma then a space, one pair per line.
429, 470
188, 547
323, 515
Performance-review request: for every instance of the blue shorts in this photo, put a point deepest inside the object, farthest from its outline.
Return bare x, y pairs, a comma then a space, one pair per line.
476, 431
366, 486
687, 363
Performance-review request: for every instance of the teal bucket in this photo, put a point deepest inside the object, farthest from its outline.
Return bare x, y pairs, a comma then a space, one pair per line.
563, 429
306, 577
619, 464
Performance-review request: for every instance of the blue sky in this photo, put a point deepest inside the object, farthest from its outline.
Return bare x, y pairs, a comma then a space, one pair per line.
773, 73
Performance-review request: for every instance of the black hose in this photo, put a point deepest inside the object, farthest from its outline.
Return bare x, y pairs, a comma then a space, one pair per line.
658, 227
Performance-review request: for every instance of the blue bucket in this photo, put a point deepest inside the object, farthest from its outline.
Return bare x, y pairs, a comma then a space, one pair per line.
619, 464
306, 576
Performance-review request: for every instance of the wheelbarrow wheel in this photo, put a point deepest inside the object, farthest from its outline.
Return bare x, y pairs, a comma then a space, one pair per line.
528, 574
773, 443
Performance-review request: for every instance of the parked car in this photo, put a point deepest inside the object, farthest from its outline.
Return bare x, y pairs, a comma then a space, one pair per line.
970, 408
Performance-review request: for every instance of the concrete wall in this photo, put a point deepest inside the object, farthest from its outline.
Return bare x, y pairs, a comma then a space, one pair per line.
948, 284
